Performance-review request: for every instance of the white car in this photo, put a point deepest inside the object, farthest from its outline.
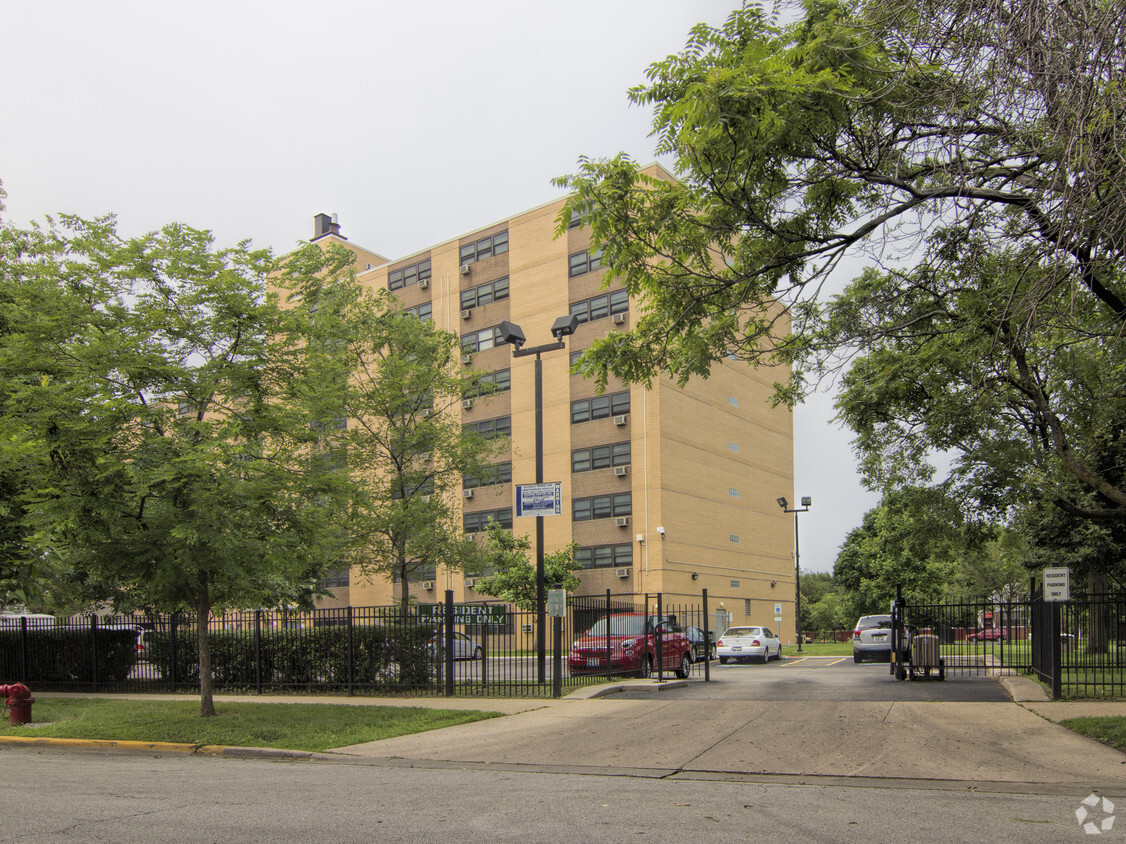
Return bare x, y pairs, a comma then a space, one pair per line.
748, 643
464, 647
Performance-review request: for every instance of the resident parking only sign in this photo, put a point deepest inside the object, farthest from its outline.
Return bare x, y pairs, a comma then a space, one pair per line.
1057, 584
539, 499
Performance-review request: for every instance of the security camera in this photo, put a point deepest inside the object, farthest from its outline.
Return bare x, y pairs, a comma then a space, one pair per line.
661, 531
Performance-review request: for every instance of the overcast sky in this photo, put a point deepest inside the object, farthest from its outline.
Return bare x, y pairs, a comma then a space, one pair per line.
415, 122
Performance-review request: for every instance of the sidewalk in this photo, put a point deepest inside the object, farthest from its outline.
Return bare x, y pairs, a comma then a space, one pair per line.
1013, 746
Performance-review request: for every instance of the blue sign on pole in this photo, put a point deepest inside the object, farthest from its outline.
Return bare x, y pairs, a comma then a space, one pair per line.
539, 499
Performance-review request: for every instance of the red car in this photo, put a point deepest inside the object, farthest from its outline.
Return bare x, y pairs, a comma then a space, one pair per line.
632, 640
987, 634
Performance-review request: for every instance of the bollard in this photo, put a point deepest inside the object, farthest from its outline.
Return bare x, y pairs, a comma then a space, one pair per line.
18, 699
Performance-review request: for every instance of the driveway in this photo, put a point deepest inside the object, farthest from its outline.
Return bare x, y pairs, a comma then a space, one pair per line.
826, 679
808, 720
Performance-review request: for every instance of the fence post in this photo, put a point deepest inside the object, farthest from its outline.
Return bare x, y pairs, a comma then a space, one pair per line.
449, 643
351, 655
608, 611
707, 641
172, 650
660, 641
23, 649
94, 650
1056, 646
557, 656
258, 651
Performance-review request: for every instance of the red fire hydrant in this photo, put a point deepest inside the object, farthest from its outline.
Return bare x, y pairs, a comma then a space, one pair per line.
18, 699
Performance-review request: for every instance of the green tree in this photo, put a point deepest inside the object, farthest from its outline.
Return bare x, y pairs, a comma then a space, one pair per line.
916, 536
970, 154
513, 576
150, 418
393, 418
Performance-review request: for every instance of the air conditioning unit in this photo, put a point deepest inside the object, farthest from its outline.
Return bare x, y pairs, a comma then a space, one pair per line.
423, 283
623, 573
622, 521
467, 403
428, 584
466, 313
467, 359
467, 493
620, 420
465, 268
620, 471
619, 319
470, 582
424, 413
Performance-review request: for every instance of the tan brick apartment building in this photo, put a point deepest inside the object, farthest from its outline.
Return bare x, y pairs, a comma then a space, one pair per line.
668, 490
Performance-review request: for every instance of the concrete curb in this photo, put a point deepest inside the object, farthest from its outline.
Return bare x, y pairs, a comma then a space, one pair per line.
157, 747
592, 692
1023, 689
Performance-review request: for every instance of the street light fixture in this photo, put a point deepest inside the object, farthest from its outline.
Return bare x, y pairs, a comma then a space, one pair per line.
806, 501
512, 334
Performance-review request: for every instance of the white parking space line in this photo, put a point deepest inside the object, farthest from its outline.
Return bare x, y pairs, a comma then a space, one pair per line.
832, 660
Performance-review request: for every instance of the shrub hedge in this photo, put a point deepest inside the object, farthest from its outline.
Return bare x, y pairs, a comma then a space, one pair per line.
69, 655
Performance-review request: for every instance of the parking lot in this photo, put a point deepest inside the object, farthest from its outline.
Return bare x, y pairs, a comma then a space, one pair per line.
834, 678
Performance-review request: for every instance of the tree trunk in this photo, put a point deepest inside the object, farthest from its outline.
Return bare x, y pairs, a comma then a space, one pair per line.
404, 592
203, 617
1098, 619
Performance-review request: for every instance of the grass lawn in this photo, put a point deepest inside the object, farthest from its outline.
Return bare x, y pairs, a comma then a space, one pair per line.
290, 726
1109, 730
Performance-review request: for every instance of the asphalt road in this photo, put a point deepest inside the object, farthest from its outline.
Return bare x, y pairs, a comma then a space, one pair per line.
57, 795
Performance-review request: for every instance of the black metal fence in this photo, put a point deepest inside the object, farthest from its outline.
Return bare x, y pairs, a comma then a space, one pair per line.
1080, 649
363, 650
977, 637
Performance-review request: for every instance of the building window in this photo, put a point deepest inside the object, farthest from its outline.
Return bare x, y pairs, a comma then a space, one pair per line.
424, 312
734, 537
577, 219
600, 457
479, 341
500, 380
335, 579
747, 607
600, 307
498, 473
734, 493
734, 402
484, 248
476, 522
488, 428
184, 409
600, 407
483, 294
585, 262
601, 507
605, 556
733, 447
406, 276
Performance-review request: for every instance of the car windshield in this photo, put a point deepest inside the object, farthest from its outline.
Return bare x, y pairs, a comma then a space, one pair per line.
742, 631
620, 625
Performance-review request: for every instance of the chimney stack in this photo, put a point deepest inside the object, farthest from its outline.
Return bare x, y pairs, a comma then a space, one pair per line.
324, 224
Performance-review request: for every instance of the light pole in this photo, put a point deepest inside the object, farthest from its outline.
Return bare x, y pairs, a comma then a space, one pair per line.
512, 333
784, 504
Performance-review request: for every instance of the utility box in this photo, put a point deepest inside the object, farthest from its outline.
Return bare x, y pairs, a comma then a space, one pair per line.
925, 658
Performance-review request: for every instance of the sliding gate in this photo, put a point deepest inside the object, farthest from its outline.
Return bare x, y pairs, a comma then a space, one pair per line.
975, 637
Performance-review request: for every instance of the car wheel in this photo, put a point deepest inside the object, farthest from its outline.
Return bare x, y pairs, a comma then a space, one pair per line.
857, 658
723, 660
646, 667
692, 654
478, 653
685, 667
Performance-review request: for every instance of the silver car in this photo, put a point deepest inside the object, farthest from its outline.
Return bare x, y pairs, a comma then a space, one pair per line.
871, 638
